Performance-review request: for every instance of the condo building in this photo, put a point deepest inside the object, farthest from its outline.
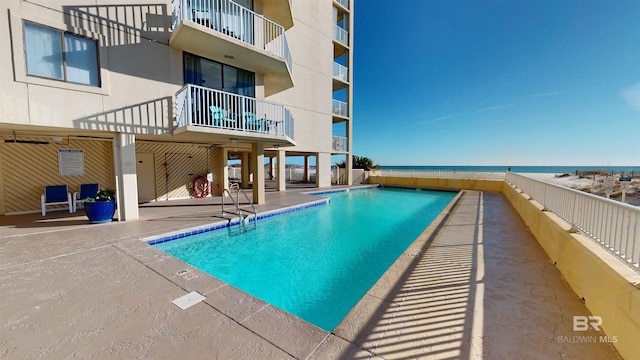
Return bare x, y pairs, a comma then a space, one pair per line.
145, 96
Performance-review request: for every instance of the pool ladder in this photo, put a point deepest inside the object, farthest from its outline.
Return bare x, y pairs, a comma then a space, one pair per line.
235, 188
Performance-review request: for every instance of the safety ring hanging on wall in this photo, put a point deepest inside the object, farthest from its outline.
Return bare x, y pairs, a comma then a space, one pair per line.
200, 187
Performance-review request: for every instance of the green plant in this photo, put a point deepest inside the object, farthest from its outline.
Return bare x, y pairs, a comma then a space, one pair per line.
103, 195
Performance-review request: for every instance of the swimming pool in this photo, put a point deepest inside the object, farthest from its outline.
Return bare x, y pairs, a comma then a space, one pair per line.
318, 262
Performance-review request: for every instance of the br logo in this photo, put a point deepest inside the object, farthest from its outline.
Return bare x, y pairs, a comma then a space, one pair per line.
582, 323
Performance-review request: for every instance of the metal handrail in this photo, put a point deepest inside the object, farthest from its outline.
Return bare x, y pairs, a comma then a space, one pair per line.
255, 212
236, 202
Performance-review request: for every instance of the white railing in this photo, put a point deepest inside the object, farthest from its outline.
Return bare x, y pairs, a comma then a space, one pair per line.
290, 174
615, 225
344, 3
340, 144
443, 174
236, 21
340, 72
341, 35
340, 108
200, 106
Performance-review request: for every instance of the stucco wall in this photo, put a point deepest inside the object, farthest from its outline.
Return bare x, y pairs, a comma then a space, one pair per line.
447, 184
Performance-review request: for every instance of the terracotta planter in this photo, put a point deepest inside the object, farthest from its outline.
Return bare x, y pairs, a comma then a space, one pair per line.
100, 212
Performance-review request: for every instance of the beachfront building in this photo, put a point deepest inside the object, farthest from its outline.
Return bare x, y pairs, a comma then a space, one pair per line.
145, 97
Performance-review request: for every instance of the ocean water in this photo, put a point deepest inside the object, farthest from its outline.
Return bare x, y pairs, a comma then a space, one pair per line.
316, 263
522, 169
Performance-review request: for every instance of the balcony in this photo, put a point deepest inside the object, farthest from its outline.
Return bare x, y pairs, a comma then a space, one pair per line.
207, 113
224, 31
279, 11
341, 35
340, 144
340, 108
340, 76
343, 3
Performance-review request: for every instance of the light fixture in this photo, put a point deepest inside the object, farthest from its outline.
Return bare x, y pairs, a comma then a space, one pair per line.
57, 138
195, 146
276, 146
234, 140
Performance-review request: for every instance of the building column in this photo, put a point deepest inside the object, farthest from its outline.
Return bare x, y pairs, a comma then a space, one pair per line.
244, 170
257, 167
124, 160
219, 170
272, 168
323, 170
281, 176
349, 158
306, 168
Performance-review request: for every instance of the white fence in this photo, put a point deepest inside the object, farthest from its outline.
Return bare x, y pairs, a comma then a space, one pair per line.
614, 225
443, 174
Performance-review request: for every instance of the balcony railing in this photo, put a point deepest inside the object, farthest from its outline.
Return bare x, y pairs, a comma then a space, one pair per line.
233, 20
200, 106
340, 72
616, 226
340, 144
341, 35
340, 108
344, 3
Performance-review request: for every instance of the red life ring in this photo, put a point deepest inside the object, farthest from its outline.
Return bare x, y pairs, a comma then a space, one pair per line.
200, 187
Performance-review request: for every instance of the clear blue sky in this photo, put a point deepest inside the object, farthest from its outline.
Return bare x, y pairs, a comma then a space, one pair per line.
488, 82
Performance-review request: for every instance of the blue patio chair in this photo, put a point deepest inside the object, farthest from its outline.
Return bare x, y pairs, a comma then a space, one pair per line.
55, 195
253, 124
86, 191
220, 117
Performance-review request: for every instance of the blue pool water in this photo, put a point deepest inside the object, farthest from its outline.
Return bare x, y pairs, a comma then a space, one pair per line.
318, 262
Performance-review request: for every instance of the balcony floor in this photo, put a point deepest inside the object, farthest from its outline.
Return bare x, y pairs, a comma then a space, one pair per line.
476, 285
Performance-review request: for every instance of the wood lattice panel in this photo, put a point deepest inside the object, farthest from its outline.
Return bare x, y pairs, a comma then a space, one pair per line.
27, 168
176, 167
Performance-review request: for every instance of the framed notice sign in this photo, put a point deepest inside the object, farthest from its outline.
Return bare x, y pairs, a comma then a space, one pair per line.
71, 162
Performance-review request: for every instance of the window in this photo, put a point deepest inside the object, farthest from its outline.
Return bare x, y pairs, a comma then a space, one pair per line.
214, 75
55, 54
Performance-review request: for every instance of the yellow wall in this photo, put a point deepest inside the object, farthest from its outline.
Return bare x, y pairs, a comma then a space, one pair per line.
447, 184
27, 168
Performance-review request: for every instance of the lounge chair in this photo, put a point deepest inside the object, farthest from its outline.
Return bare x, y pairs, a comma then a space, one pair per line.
86, 191
220, 118
55, 195
253, 124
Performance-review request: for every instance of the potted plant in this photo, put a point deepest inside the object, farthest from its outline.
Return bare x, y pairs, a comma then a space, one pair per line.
101, 208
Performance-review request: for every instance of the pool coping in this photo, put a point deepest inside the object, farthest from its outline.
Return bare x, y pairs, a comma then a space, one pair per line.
294, 335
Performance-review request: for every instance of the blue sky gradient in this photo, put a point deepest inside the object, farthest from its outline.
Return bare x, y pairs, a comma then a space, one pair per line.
512, 82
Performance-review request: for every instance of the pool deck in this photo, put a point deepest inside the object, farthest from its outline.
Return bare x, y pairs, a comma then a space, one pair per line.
475, 284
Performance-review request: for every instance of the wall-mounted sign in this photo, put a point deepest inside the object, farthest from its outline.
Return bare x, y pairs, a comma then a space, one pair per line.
71, 162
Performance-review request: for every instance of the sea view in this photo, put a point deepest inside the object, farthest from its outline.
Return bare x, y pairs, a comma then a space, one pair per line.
520, 169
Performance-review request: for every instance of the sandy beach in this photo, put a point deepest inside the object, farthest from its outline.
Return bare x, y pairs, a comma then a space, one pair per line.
593, 184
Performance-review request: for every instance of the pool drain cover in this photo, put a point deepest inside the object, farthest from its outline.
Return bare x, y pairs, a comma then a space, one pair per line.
186, 301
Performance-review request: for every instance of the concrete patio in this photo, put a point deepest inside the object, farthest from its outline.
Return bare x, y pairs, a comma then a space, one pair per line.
475, 284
